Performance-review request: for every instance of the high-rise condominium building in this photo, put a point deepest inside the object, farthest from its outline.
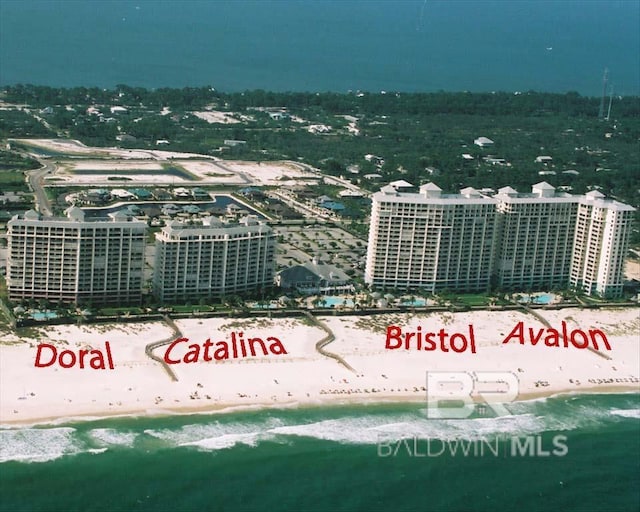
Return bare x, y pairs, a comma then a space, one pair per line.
516, 241
603, 228
212, 259
431, 240
535, 238
75, 259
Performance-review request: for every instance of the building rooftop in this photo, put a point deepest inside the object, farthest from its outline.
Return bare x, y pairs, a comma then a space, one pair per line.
75, 214
483, 141
208, 226
314, 269
430, 193
538, 191
597, 199
401, 184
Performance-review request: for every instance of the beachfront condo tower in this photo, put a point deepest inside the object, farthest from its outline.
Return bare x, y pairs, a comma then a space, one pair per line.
210, 259
75, 259
535, 238
430, 240
603, 229
512, 241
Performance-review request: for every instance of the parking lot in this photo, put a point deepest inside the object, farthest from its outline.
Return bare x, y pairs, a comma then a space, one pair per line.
330, 244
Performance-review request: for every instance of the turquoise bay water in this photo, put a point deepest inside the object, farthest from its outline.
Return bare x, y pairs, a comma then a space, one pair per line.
330, 459
324, 45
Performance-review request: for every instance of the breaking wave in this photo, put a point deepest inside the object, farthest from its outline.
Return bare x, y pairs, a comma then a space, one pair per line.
38, 445
360, 425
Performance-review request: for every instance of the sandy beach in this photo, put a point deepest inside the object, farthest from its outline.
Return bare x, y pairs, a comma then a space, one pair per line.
139, 385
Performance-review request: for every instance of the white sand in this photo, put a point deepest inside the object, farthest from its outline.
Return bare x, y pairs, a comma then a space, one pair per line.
215, 116
210, 171
203, 171
113, 165
75, 147
632, 269
269, 173
139, 385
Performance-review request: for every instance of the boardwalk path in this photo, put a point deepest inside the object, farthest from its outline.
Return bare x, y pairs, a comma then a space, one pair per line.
177, 334
326, 340
152, 346
548, 325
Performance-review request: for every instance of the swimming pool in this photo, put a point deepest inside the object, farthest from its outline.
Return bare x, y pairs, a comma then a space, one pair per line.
43, 315
331, 302
415, 302
543, 298
540, 298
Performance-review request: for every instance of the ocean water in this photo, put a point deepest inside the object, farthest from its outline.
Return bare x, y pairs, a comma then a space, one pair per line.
333, 458
374, 457
324, 45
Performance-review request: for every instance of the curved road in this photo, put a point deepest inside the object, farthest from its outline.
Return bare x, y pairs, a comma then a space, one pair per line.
36, 179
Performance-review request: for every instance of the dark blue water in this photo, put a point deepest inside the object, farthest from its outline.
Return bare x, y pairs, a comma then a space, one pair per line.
320, 45
337, 458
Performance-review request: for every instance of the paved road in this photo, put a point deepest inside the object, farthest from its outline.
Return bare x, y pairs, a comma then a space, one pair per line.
36, 180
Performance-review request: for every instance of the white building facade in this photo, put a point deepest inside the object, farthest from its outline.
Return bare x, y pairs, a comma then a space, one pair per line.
74, 259
212, 259
469, 241
535, 238
603, 229
431, 241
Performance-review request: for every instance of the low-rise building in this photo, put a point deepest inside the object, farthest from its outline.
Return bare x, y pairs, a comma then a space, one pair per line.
483, 142
314, 277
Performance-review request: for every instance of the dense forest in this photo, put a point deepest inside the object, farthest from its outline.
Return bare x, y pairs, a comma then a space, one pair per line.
370, 138
391, 103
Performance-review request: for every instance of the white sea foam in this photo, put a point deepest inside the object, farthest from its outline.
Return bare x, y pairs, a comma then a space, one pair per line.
112, 437
37, 445
226, 441
579, 417
96, 451
573, 414
627, 413
217, 435
370, 429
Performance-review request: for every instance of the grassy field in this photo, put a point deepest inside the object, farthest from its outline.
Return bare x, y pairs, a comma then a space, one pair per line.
12, 180
478, 299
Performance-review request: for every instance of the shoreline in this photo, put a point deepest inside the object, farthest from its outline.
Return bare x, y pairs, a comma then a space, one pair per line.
223, 409
301, 376
231, 408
